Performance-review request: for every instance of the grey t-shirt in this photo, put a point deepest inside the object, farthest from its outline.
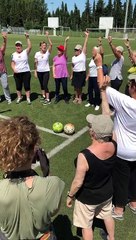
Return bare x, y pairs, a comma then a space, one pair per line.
116, 69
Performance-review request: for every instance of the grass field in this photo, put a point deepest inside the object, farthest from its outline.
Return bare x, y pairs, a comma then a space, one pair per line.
44, 116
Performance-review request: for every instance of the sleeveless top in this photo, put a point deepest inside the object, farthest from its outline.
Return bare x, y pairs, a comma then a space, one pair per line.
97, 185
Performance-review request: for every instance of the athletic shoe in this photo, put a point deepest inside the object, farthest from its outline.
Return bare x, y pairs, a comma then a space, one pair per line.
19, 100
87, 105
46, 102
75, 100
79, 101
133, 210
28, 101
96, 108
9, 101
42, 99
56, 100
117, 216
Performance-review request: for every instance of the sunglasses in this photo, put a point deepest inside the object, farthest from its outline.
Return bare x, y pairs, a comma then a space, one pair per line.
76, 50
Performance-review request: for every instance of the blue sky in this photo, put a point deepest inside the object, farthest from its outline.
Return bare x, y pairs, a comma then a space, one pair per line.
53, 4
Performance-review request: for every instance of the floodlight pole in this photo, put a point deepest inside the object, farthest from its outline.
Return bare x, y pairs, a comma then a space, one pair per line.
126, 16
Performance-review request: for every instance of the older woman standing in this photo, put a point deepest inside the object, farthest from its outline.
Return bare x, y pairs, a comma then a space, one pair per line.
116, 66
42, 68
92, 184
21, 69
60, 71
27, 201
3, 71
78, 74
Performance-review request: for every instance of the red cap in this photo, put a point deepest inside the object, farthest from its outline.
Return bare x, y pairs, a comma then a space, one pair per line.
61, 48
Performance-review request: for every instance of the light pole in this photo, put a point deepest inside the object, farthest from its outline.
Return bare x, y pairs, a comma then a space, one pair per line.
126, 16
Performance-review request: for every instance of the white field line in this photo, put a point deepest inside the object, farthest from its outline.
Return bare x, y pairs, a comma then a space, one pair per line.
62, 145
107, 55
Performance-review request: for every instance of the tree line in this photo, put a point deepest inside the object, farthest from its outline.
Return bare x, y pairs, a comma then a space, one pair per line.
34, 14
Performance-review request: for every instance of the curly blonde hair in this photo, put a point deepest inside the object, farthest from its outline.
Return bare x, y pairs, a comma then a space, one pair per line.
18, 137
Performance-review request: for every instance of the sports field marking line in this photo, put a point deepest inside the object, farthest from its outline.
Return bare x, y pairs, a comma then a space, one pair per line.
63, 145
107, 55
43, 129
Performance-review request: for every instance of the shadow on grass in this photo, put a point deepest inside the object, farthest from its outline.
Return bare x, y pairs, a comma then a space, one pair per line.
62, 227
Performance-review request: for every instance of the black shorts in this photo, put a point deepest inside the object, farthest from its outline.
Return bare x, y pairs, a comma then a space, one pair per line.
22, 79
78, 80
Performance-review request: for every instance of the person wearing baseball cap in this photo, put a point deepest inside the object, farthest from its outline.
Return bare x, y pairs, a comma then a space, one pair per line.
21, 69
60, 71
78, 74
116, 66
92, 184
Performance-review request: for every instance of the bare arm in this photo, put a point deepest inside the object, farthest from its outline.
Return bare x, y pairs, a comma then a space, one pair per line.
13, 67
49, 40
65, 45
82, 167
53, 71
113, 48
3, 47
35, 68
29, 45
85, 42
100, 46
130, 52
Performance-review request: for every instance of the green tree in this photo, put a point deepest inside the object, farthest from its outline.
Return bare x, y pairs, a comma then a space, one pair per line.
86, 16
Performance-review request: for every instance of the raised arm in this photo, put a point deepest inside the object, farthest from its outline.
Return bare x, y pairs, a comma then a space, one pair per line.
49, 40
103, 82
65, 45
85, 42
113, 48
3, 47
101, 47
130, 52
29, 45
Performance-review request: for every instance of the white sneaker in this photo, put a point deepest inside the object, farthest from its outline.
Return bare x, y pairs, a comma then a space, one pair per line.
28, 101
9, 101
19, 100
96, 108
87, 105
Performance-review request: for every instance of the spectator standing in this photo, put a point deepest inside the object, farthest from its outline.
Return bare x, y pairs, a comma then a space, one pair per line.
60, 71
21, 69
42, 69
78, 74
3, 71
124, 174
28, 201
116, 66
92, 184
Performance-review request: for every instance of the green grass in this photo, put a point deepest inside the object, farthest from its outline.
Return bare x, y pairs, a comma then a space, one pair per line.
62, 164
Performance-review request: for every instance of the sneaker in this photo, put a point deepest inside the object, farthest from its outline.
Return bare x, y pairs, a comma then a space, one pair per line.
96, 108
56, 100
117, 216
75, 100
19, 100
133, 210
46, 102
87, 105
9, 101
28, 101
42, 99
79, 101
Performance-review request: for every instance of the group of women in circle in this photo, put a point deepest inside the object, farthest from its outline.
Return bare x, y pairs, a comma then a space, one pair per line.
78, 76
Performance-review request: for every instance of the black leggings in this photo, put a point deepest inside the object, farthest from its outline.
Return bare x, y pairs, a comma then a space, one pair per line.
44, 79
22, 78
124, 182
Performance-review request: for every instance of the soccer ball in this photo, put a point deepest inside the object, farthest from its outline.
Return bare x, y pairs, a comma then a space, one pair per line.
57, 127
69, 128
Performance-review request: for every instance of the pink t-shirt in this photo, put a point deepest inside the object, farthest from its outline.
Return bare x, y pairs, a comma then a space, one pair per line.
60, 64
2, 63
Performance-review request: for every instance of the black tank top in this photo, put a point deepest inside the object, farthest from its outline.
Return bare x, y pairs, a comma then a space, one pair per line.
97, 185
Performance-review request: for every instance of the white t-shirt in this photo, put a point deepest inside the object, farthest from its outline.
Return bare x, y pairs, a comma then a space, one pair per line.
21, 61
42, 61
124, 123
79, 62
116, 69
92, 69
